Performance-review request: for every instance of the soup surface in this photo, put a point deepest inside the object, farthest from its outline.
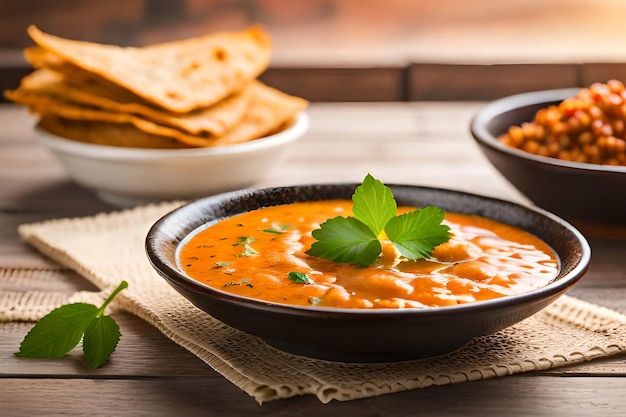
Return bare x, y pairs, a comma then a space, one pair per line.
261, 254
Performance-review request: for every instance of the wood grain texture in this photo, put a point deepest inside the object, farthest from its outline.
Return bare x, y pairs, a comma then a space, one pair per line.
416, 143
486, 82
347, 84
519, 396
339, 50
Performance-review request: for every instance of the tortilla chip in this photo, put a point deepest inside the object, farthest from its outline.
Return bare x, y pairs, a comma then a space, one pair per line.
269, 109
39, 57
110, 134
178, 76
48, 105
198, 92
212, 121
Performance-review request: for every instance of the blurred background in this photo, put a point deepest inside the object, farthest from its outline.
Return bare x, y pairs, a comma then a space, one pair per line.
367, 50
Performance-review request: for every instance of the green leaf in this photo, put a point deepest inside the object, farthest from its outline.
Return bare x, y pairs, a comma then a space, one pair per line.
277, 228
344, 240
374, 204
247, 249
416, 234
299, 277
58, 332
244, 240
100, 340
356, 239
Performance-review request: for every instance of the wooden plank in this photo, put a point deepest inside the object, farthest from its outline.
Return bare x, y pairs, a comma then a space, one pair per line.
601, 72
485, 82
190, 397
142, 351
609, 295
345, 84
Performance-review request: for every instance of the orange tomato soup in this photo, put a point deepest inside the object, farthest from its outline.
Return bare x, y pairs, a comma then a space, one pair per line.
252, 255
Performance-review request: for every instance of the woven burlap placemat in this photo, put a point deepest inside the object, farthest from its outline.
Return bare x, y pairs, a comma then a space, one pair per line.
109, 247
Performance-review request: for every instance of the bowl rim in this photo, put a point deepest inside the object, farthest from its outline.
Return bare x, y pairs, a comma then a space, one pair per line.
176, 278
478, 127
97, 151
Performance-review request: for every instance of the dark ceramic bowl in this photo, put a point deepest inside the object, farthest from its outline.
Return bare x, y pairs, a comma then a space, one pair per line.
590, 196
366, 335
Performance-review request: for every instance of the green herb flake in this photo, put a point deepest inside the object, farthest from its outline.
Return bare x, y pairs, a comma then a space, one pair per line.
247, 251
245, 242
356, 239
244, 281
224, 267
299, 278
277, 228
58, 332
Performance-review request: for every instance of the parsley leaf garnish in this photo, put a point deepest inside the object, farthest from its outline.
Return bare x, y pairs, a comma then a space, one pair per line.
299, 277
344, 240
416, 234
374, 204
62, 329
357, 239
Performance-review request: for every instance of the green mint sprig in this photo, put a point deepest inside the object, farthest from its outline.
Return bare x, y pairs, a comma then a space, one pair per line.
63, 328
357, 239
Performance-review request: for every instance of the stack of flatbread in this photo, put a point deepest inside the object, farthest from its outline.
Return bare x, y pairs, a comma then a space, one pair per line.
198, 92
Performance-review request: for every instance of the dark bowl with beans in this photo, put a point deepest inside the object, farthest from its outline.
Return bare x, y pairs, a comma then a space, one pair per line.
563, 149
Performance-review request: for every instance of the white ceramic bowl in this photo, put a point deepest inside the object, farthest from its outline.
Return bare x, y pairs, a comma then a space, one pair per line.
126, 177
